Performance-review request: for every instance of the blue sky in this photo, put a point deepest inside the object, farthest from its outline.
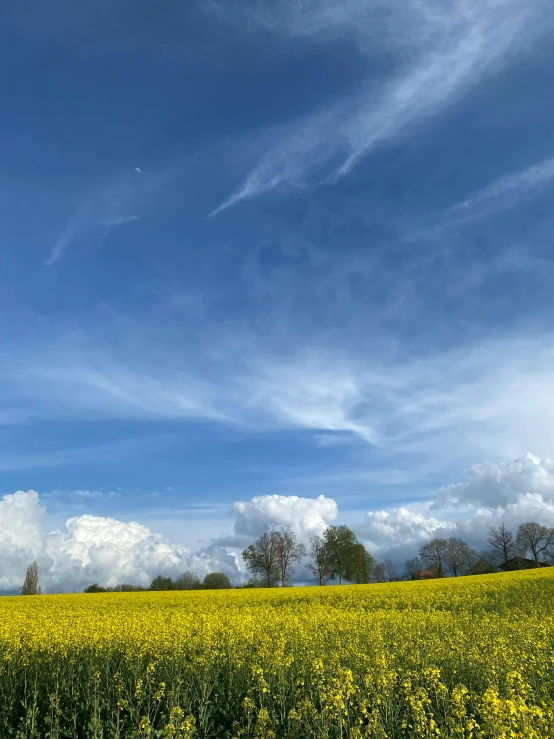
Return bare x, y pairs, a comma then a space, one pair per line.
250, 248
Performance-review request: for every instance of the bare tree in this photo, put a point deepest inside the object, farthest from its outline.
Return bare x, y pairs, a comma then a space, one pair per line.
434, 554
456, 554
320, 566
261, 558
288, 550
471, 561
30, 586
379, 572
484, 564
535, 538
187, 581
501, 544
411, 565
390, 572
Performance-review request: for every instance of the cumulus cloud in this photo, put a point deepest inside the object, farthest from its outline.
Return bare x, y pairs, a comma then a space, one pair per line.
305, 516
401, 526
110, 551
100, 549
500, 485
496, 492
21, 538
92, 549
105, 550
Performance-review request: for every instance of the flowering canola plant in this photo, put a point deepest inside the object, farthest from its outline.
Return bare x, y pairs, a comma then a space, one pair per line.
468, 657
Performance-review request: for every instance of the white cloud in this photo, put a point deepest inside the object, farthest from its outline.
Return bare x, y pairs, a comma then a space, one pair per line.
92, 549
87, 493
105, 208
483, 400
401, 526
313, 391
439, 51
510, 493
100, 549
500, 485
21, 538
101, 384
315, 20
328, 440
505, 192
305, 516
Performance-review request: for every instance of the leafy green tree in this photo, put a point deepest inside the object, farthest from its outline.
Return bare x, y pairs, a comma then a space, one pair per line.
95, 588
340, 542
217, 581
261, 558
254, 582
162, 583
378, 574
484, 565
321, 565
30, 586
361, 565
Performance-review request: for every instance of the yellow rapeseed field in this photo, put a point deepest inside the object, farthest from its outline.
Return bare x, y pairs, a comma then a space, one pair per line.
466, 657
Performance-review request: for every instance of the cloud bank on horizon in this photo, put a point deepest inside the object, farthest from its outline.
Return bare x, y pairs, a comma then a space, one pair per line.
104, 550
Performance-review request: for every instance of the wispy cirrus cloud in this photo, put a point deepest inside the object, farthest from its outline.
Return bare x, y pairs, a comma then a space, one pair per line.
73, 455
501, 193
106, 207
505, 192
449, 407
435, 52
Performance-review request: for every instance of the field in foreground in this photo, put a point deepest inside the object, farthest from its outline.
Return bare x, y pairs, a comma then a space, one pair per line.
467, 657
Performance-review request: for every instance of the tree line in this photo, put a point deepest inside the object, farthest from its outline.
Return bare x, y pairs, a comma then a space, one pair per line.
186, 581
532, 545
337, 554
